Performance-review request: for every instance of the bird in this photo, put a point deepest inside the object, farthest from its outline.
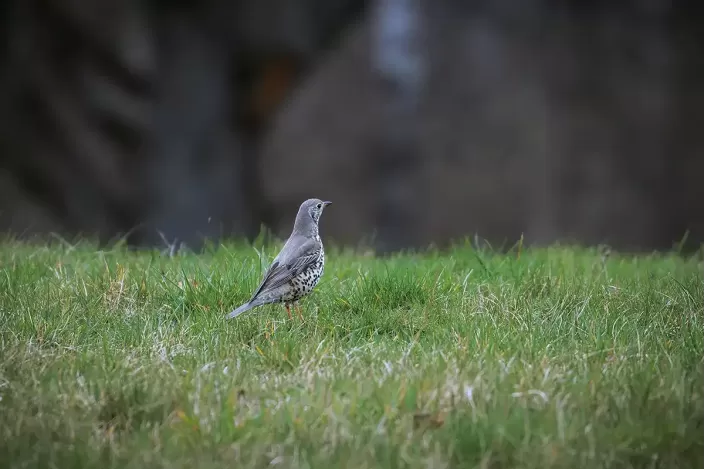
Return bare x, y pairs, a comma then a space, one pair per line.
297, 268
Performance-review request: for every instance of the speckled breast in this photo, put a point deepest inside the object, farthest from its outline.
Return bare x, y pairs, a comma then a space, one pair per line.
303, 283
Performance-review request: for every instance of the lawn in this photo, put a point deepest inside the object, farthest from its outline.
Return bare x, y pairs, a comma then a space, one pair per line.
538, 358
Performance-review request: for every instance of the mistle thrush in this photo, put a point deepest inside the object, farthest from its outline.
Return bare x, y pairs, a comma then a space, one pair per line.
298, 266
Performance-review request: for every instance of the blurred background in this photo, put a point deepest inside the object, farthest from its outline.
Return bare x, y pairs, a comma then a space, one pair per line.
424, 121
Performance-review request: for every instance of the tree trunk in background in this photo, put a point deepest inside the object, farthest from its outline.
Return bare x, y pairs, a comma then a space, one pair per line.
194, 175
399, 63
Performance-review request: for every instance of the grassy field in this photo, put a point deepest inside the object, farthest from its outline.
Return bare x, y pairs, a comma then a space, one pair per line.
536, 359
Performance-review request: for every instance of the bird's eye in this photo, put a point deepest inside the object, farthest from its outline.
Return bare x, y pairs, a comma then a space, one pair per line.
318, 206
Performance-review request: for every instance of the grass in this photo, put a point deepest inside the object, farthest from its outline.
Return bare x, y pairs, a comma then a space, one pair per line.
550, 358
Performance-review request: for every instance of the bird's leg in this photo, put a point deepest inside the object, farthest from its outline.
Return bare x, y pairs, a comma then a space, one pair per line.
298, 310
288, 310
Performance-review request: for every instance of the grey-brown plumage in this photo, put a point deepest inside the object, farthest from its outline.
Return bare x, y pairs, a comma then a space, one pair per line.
297, 268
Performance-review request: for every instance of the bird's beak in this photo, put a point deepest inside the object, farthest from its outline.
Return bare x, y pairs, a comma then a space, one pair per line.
325, 204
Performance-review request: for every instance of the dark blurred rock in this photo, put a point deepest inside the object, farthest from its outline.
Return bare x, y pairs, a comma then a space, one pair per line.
560, 125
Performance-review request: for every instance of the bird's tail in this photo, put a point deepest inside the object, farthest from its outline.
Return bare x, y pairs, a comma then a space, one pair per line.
244, 308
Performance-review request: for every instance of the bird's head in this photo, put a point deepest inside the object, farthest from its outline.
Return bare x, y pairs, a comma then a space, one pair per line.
315, 207
308, 216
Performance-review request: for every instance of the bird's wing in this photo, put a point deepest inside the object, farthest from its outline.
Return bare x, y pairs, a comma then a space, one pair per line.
291, 261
